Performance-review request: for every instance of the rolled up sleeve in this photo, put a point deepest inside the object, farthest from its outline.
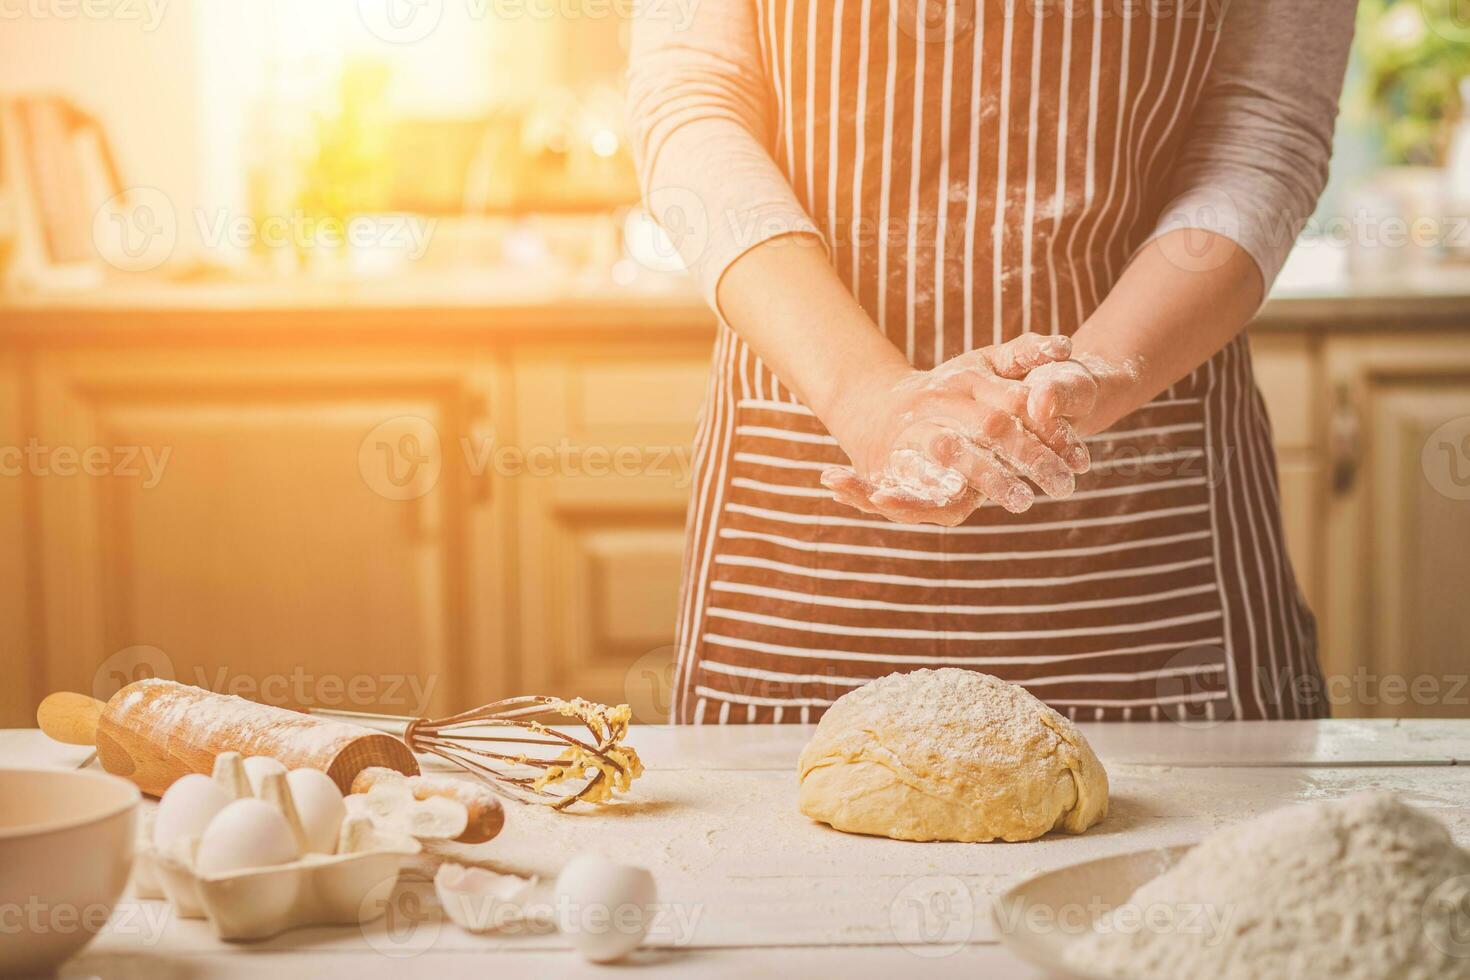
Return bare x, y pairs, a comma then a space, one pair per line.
1255, 157
699, 117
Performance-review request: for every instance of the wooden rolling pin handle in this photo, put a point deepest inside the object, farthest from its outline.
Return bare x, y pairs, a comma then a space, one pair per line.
70, 718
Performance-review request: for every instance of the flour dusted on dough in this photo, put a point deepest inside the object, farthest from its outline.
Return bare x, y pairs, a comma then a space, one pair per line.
949, 755
1364, 888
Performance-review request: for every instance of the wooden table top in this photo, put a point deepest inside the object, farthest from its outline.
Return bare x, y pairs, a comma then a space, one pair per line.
753, 888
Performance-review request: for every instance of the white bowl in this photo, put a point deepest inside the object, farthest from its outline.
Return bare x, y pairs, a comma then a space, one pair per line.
66, 847
1039, 918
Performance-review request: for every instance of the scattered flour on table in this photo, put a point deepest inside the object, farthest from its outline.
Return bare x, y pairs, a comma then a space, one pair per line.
1364, 888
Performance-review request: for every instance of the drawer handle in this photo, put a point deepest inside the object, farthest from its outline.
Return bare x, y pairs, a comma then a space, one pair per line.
1345, 440
479, 433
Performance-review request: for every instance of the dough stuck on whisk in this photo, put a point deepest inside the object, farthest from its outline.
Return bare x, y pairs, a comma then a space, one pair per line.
950, 755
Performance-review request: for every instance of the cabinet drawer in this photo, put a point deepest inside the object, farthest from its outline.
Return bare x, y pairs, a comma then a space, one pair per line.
1286, 371
612, 399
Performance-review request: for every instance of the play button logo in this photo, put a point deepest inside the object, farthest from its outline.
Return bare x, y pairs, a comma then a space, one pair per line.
400, 21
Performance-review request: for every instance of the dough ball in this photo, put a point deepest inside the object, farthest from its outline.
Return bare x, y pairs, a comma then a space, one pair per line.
949, 755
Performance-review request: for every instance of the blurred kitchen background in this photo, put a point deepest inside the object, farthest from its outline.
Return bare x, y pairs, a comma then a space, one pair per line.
339, 367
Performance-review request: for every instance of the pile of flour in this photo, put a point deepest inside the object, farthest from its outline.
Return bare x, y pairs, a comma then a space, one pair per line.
1364, 888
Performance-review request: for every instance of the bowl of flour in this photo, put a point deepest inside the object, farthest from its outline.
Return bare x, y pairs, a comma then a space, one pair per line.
1363, 888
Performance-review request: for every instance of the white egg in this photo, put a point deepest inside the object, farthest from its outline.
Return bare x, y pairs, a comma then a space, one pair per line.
246, 834
320, 807
257, 767
604, 908
186, 809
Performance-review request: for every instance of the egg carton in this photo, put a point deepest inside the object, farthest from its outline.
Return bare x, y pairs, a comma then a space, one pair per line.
350, 886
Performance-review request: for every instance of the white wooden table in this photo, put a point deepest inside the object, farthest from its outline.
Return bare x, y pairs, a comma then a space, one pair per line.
754, 889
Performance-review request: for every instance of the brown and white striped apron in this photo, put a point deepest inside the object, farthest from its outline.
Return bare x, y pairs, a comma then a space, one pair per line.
986, 171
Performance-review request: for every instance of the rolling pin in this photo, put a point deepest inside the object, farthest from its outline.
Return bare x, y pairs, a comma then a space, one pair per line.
155, 731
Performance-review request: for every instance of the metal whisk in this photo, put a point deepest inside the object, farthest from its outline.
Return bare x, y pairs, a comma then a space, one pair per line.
563, 769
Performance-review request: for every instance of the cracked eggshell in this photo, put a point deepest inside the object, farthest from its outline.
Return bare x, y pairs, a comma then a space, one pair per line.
186, 809
437, 818
246, 834
478, 900
393, 807
320, 807
604, 908
360, 834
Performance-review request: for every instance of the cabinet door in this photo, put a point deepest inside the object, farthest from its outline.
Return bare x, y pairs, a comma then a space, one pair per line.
298, 527
1396, 637
22, 689
602, 472
1287, 368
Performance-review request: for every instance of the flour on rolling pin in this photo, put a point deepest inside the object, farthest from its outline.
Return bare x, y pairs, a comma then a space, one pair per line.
486, 815
155, 731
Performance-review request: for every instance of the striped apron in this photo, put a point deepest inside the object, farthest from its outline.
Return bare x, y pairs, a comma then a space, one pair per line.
981, 171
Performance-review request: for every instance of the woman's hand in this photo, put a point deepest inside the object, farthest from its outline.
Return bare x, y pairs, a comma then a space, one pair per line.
929, 446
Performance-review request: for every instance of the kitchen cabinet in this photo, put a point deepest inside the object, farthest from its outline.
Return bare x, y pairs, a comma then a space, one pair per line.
1372, 430
17, 650
602, 531
403, 511
1288, 372
445, 503
299, 529
1397, 523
